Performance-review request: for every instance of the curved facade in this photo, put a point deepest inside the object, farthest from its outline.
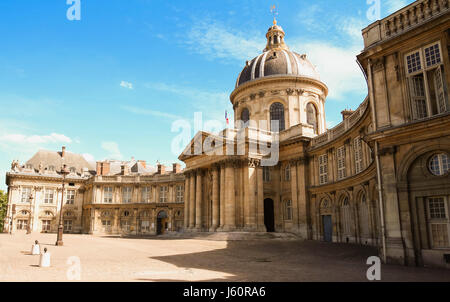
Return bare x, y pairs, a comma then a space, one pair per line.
379, 178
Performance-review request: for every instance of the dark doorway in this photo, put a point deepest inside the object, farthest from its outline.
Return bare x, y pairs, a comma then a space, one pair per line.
161, 223
269, 216
327, 228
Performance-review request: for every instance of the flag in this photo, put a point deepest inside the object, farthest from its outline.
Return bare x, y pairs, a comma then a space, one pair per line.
226, 117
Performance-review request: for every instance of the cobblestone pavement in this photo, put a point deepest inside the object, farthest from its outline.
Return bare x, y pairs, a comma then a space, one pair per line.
178, 259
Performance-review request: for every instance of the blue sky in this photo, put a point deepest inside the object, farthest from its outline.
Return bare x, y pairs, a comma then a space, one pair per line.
111, 84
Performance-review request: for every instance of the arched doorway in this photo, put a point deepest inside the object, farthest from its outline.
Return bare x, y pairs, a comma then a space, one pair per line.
269, 216
162, 223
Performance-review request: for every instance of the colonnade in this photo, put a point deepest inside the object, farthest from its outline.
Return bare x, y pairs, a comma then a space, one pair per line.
227, 196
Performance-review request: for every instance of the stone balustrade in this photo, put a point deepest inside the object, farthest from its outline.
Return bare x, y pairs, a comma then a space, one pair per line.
411, 16
342, 128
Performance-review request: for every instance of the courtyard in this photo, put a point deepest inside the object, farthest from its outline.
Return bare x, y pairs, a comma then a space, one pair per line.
202, 258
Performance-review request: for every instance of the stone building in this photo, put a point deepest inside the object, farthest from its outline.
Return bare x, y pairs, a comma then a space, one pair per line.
113, 197
380, 177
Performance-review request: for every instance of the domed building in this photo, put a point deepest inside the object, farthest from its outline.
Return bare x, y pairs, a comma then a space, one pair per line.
280, 85
379, 178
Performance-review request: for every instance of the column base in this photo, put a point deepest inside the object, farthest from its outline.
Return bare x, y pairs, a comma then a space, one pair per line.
250, 228
228, 228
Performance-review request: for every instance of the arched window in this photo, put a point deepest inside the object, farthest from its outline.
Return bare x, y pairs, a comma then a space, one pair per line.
439, 164
277, 114
311, 117
346, 216
364, 215
245, 117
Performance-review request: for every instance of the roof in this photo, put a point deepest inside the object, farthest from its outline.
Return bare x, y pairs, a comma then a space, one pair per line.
54, 160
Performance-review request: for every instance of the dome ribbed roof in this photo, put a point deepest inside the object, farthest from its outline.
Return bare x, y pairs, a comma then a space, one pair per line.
277, 60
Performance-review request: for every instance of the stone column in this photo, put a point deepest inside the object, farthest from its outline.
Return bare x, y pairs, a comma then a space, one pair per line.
230, 198
215, 199
186, 199
222, 197
251, 194
304, 210
192, 201
294, 195
260, 200
199, 201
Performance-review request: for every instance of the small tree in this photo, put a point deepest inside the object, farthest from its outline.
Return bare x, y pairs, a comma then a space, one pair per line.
3, 208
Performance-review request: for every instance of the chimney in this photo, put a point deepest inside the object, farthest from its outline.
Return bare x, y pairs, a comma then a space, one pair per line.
346, 114
161, 169
143, 163
103, 168
63, 152
176, 168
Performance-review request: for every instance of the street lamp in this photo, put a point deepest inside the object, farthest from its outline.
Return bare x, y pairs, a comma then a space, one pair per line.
29, 214
59, 240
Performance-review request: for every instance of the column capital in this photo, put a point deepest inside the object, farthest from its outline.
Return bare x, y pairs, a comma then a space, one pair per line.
253, 163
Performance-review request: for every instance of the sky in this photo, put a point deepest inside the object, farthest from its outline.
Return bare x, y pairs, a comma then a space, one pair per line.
111, 85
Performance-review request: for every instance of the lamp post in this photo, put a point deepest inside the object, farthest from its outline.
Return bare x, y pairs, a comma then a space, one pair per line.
59, 240
30, 198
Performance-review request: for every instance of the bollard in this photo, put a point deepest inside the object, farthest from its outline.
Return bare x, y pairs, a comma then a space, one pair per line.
35, 248
44, 261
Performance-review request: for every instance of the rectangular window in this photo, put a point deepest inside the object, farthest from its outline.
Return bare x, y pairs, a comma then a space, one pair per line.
70, 197
180, 193
358, 155
432, 55
108, 195
266, 174
163, 194
436, 208
340, 154
440, 91
418, 96
48, 196
125, 225
46, 225
288, 209
426, 81
146, 194
287, 173
127, 194
439, 223
323, 169
413, 62
145, 226
22, 224
25, 196
68, 225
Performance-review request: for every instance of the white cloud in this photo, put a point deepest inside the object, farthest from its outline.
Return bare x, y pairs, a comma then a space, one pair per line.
89, 157
337, 67
113, 150
127, 85
214, 40
142, 111
35, 139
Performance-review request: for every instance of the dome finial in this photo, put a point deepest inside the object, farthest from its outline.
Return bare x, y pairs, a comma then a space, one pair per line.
274, 11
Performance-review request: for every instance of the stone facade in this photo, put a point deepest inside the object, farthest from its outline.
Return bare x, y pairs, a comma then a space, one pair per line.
381, 177
122, 198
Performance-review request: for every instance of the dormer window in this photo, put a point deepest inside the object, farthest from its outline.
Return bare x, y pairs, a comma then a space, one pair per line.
72, 170
51, 169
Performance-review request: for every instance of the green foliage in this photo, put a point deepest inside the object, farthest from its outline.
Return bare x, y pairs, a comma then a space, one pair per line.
3, 208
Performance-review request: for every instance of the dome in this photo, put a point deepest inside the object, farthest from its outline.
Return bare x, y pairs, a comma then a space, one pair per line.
277, 60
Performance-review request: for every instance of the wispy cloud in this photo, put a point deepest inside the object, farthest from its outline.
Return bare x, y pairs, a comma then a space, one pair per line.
113, 150
126, 84
35, 139
215, 41
89, 157
143, 111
